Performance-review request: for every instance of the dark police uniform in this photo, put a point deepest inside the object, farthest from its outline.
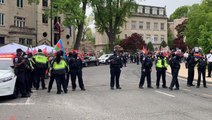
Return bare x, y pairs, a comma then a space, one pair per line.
191, 64
202, 63
175, 67
161, 67
115, 70
75, 65
146, 72
20, 72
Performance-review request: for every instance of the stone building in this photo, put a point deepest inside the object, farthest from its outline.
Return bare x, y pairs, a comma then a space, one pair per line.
148, 21
27, 24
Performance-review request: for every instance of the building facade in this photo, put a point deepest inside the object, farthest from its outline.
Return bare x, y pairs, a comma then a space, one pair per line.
28, 25
174, 24
148, 21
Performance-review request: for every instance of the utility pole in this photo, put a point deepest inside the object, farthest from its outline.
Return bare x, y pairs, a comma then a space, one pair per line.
51, 22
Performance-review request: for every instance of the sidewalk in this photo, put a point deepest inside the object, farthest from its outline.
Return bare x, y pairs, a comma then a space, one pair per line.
183, 73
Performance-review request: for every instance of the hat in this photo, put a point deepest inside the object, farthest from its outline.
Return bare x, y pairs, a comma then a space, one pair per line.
149, 52
19, 50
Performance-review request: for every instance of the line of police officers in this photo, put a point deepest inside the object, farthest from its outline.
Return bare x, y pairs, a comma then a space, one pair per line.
31, 71
161, 65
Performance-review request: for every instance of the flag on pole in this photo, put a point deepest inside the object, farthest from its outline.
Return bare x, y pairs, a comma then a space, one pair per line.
27, 51
45, 51
59, 46
34, 51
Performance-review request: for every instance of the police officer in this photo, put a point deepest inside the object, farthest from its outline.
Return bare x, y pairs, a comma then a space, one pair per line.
209, 58
175, 67
59, 69
161, 67
146, 70
51, 81
75, 64
41, 62
191, 64
115, 70
202, 63
19, 66
28, 70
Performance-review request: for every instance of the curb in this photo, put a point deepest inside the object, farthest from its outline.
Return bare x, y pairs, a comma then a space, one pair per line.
183, 77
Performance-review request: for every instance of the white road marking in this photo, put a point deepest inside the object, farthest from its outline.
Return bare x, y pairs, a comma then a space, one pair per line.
15, 104
186, 90
165, 93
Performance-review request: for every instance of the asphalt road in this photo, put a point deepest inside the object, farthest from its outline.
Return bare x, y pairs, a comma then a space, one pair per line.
98, 102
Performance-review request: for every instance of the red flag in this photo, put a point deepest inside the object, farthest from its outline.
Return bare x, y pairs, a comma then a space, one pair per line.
27, 51
67, 51
45, 50
34, 51
58, 26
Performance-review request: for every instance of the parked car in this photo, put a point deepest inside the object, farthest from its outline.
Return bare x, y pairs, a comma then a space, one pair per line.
7, 76
104, 58
90, 60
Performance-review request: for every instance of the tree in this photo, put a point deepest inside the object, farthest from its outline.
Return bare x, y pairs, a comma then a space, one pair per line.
163, 44
179, 12
74, 13
179, 43
150, 46
110, 15
170, 38
133, 42
198, 30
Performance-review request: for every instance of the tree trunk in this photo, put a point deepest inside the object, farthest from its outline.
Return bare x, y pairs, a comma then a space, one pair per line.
79, 36
111, 38
80, 27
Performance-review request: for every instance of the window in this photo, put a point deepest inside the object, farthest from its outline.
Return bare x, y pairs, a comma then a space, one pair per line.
148, 25
21, 41
162, 38
45, 3
155, 38
162, 26
20, 3
19, 21
1, 19
1, 1
140, 9
141, 25
147, 10
148, 38
161, 12
44, 18
155, 26
154, 11
29, 41
133, 25
2, 40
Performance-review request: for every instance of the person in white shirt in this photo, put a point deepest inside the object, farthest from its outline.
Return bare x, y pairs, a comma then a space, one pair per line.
209, 58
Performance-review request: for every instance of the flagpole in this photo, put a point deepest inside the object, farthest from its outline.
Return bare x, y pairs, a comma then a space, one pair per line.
51, 22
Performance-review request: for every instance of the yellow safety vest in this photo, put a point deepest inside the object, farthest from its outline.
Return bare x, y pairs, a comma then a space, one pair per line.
60, 68
159, 63
40, 60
